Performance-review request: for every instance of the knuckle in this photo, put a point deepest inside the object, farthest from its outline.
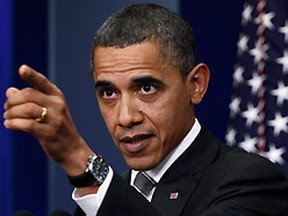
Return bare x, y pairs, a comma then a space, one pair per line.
30, 126
41, 80
57, 90
60, 104
29, 111
58, 123
27, 93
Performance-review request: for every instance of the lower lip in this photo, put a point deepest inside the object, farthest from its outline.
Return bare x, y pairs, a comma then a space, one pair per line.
136, 147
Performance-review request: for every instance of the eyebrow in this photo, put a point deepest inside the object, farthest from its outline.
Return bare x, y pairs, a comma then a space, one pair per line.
135, 81
145, 80
102, 83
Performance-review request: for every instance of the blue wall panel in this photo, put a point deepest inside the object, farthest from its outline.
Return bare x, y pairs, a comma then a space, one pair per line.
23, 165
29, 163
216, 26
6, 14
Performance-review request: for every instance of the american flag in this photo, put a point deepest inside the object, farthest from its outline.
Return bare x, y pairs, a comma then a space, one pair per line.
174, 196
259, 103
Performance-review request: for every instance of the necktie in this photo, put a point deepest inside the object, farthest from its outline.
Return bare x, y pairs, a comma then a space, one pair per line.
144, 183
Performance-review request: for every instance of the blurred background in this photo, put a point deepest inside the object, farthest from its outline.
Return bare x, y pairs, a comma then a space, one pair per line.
54, 37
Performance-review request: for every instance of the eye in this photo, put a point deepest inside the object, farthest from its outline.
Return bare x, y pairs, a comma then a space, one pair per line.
108, 93
148, 89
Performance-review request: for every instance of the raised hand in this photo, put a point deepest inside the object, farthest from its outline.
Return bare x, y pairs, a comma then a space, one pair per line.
42, 111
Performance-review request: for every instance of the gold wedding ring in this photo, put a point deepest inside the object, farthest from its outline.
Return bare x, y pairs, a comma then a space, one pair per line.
42, 116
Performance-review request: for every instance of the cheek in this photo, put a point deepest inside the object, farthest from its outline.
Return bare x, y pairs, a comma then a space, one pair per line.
109, 119
172, 118
161, 116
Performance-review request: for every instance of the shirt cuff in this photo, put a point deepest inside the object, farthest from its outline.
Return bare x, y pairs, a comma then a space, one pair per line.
91, 203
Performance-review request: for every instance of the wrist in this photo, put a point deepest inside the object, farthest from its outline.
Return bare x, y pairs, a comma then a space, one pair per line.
94, 175
75, 162
84, 191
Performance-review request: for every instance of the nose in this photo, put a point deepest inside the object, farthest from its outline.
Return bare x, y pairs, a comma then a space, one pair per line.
129, 112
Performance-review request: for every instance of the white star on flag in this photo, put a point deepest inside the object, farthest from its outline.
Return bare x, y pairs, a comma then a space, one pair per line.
259, 52
251, 115
230, 136
242, 44
265, 19
255, 82
235, 106
281, 93
284, 30
279, 123
275, 155
284, 61
249, 144
238, 75
246, 14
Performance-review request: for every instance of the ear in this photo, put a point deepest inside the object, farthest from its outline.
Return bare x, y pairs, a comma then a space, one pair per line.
197, 82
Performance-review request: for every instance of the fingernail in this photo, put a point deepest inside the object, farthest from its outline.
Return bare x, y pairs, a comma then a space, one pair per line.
6, 123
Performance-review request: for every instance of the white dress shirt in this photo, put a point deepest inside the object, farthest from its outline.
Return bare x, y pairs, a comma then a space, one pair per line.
90, 204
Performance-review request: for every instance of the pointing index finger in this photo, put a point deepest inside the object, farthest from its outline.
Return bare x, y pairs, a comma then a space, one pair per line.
38, 80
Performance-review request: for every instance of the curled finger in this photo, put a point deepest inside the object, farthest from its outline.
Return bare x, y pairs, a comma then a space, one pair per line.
27, 111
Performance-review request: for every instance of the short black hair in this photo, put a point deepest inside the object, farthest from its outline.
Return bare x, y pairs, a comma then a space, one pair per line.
138, 23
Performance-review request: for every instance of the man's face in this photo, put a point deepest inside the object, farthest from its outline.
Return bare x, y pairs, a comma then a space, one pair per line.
144, 101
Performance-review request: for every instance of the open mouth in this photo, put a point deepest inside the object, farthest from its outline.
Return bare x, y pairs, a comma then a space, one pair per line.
136, 143
135, 139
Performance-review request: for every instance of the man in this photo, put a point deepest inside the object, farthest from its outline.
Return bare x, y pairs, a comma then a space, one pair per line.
147, 83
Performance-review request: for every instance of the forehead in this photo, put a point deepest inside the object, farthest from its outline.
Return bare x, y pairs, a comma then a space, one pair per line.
138, 58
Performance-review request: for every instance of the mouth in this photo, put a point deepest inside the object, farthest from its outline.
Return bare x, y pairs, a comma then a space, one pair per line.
133, 144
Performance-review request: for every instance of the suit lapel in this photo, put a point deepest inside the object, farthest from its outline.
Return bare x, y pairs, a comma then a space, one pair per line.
170, 198
181, 179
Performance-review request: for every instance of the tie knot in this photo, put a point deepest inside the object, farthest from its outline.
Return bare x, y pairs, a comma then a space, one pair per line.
144, 183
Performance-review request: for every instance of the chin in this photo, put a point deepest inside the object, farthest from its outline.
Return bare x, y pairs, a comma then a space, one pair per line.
140, 164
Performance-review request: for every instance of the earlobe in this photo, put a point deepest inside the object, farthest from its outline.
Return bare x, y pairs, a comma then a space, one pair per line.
197, 82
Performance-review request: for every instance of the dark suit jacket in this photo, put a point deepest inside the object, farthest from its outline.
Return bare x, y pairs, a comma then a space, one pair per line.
211, 179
